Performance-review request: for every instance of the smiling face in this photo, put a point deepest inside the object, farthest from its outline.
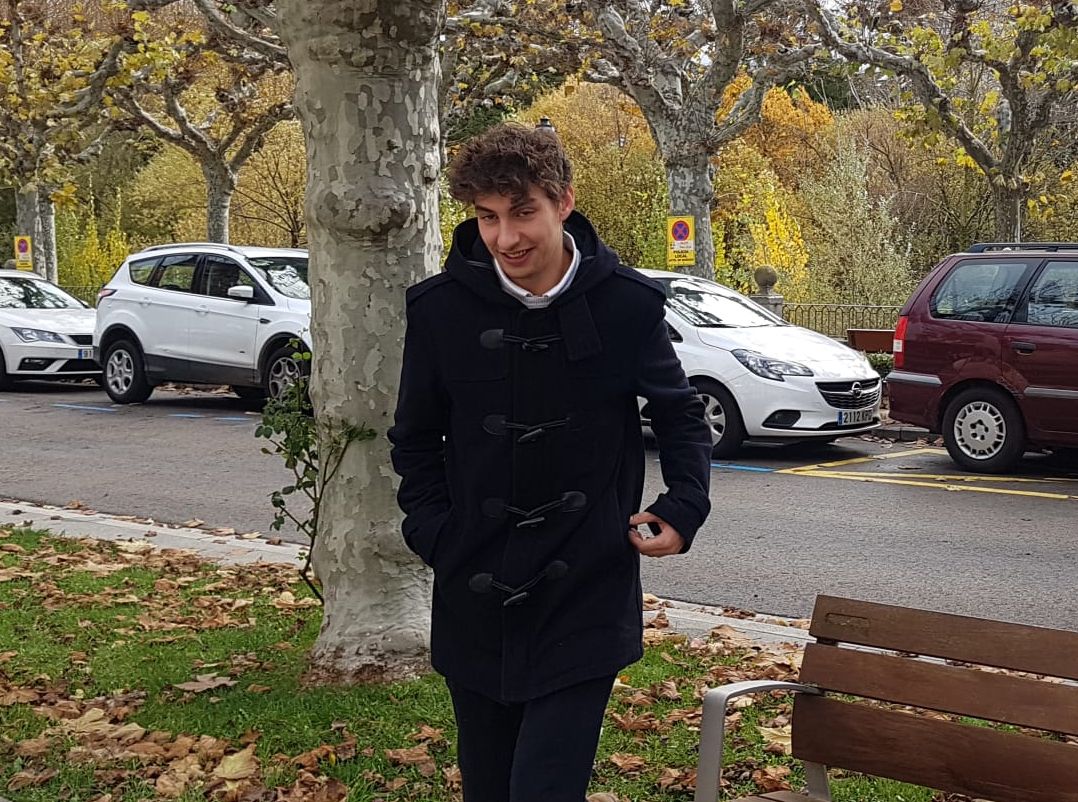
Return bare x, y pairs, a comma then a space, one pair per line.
525, 235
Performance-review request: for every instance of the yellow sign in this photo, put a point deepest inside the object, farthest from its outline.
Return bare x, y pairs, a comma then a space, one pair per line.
680, 241
24, 254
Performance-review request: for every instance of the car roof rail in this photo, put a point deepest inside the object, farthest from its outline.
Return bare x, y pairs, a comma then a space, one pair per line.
984, 247
192, 245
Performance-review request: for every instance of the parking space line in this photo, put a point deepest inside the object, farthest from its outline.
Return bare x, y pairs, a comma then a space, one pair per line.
748, 468
862, 460
860, 477
85, 407
957, 477
185, 415
234, 420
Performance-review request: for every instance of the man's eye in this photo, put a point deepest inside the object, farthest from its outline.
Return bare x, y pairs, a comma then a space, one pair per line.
525, 212
488, 218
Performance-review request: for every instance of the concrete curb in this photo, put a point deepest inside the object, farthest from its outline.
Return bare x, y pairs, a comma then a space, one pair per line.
218, 548
902, 433
685, 618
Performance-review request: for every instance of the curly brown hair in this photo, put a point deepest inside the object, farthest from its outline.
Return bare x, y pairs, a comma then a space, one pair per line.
509, 159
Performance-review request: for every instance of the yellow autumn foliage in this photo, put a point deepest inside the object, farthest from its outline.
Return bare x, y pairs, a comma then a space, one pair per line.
789, 126
753, 214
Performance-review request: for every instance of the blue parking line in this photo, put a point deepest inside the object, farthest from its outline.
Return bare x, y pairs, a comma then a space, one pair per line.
85, 408
232, 420
749, 468
185, 415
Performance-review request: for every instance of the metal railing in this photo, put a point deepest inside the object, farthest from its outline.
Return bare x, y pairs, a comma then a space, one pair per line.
834, 319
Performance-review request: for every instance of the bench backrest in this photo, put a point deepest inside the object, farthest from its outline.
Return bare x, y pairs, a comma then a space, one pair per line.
931, 750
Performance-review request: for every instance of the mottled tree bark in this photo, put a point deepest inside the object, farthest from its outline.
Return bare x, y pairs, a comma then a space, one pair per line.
690, 182
46, 244
220, 187
27, 223
367, 96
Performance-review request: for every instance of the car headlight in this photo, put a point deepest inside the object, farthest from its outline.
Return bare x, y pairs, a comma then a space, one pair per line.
37, 335
773, 369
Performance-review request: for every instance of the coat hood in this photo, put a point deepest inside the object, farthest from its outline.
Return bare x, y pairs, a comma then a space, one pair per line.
471, 263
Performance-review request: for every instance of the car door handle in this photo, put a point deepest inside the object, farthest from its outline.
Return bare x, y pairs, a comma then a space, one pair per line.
144, 301
1024, 348
203, 310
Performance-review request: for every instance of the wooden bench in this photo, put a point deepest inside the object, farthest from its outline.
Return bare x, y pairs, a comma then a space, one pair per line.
932, 662
871, 341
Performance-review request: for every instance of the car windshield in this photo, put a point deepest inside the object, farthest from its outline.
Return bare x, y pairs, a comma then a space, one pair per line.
286, 274
31, 293
707, 306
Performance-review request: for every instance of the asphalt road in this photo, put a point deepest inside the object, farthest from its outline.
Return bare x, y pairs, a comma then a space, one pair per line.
898, 524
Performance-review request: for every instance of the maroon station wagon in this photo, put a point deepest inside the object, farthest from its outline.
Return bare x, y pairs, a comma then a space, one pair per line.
986, 353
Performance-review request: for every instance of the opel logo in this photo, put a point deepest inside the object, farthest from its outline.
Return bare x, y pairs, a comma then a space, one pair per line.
855, 390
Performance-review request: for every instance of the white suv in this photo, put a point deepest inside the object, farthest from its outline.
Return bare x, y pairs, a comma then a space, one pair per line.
204, 313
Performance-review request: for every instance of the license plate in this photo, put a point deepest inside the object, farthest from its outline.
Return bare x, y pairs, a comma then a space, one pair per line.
86, 353
848, 417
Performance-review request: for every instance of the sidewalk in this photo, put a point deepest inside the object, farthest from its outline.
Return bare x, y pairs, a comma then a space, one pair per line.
689, 619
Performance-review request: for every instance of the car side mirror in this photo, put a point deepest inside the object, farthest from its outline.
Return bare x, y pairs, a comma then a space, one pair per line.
242, 291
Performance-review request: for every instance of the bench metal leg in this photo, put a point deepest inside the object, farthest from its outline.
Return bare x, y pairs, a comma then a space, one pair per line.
713, 731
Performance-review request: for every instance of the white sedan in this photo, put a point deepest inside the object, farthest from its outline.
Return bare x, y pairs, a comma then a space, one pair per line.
760, 377
44, 332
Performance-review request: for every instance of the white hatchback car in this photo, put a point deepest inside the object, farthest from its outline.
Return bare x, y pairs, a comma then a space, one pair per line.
44, 332
762, 378
204, 313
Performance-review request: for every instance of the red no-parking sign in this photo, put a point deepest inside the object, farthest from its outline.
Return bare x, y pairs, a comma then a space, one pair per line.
24, 253
680, 241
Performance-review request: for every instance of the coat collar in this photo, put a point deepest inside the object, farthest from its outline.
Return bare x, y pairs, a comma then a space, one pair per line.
470, 263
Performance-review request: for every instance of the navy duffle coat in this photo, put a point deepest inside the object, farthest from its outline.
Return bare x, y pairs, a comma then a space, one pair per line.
517, 438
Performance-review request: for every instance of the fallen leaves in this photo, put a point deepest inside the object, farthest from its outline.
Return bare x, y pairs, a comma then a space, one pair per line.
206, 682
239, 766
414, 756
772, 778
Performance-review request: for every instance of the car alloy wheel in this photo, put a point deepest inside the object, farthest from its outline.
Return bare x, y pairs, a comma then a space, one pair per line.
283, 373
715, 415
723, 418
125, 378
120, 371
980, 430
983, 430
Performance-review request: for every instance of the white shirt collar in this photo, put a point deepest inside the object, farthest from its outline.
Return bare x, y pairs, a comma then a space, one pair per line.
540, 301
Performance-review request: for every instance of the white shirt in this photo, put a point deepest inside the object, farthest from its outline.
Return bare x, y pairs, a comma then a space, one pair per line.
541, 301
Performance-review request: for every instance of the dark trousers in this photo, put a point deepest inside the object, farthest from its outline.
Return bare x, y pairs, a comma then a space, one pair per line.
541, 750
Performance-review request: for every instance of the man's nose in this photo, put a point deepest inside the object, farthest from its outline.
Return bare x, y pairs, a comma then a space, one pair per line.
508, 236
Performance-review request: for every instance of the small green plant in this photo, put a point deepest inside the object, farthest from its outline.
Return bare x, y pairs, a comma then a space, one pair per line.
288, 422
882, 363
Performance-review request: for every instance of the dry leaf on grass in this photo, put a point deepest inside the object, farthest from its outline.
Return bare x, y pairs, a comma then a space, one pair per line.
627, 763
772, 778
206, 682
779, 740
288, 601
428, 734
239, 766
415, 756
29, 779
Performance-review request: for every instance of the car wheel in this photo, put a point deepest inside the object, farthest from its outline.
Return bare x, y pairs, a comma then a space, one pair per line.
283, 370
249, 393
6, 380
723, 419
125, 374
983, 430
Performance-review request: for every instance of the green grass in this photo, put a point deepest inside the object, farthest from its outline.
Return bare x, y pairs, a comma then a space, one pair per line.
79, 634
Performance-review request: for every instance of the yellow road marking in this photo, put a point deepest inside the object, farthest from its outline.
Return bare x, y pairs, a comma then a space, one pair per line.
860, 477
958, 477
862, 460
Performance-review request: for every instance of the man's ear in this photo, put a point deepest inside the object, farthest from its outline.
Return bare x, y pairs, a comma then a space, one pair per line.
568, 203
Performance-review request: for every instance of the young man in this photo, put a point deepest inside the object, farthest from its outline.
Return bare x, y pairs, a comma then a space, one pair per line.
518, 442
